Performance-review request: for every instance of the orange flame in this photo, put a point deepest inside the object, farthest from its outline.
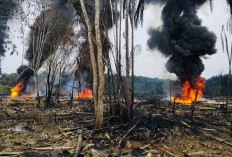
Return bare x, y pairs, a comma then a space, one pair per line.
27, 96
189, 91
86, 93
16, 91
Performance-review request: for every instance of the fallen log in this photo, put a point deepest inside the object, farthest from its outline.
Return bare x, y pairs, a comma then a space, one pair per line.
117, 149
10, 153
217, 139
200, 153
79, 143
69, 129
166, 151
51, 148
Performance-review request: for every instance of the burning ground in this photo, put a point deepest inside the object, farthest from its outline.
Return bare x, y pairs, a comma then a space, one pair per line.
19, 92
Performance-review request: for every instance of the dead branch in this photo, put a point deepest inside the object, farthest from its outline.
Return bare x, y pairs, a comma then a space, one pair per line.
166, 151
119, 143
79, 142
217, 139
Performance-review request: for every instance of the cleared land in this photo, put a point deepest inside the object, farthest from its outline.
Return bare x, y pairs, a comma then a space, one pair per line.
63, 131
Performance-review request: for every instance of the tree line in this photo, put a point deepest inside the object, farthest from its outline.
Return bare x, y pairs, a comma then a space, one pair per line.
144, 86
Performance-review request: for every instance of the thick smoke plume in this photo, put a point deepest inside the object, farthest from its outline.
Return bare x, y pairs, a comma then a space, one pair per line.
6, 9
62, 15
183, 39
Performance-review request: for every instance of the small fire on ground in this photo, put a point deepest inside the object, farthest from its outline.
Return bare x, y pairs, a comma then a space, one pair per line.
189, 91
16, 91
86, 93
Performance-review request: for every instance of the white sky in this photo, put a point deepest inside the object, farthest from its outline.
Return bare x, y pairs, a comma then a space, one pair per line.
147, 63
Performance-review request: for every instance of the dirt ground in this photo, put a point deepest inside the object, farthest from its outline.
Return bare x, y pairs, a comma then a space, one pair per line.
157, 130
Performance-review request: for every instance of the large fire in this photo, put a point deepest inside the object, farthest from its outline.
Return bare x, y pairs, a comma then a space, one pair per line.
189, 91
16, 91
86, 93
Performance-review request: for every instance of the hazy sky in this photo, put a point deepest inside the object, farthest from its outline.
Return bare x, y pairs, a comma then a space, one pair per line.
150, 63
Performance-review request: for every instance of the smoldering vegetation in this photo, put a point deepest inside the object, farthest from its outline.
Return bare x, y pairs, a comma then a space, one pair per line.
55, 35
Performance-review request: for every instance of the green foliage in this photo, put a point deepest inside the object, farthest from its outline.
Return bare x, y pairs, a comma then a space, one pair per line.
143, 86
7, 82
5, 89
217, 86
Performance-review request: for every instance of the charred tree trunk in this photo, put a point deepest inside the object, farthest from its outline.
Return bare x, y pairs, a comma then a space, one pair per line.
91, 50
109, 90
113, 84
51, 76
228, 87
37, 90
119, 79
48, 95
225, 47
99, 116
58, 89
194, 105
132, 58
71, 96
97, 79
108, 57
127, 63
174, 107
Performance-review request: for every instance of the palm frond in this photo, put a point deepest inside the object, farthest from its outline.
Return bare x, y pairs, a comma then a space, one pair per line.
124, 8
211, 5
132, 4
139, 13
223, 48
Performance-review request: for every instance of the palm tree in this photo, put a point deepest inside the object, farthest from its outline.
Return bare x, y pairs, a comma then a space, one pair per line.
226, 46
136, 17
132, 13
127, 61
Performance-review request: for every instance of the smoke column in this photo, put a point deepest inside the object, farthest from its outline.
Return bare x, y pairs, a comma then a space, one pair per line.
61, 9
183, 39
6, 8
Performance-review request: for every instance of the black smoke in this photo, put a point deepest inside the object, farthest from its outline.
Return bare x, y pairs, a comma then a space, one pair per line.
183, 39
7, 7
25, 74
62, 15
